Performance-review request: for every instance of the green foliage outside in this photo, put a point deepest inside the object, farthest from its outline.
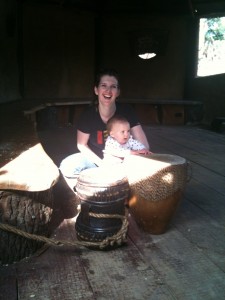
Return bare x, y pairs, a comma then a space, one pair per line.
216, 30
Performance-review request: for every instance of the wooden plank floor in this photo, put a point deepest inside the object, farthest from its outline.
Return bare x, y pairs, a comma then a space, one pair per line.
186, 262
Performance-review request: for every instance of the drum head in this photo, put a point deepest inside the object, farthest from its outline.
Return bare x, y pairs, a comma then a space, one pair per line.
102, 176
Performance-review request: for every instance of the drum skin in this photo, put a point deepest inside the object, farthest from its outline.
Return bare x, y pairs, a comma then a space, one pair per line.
157, 183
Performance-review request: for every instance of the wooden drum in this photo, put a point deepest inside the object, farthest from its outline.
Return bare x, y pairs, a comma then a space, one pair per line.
24, 211
101, 191
157, 183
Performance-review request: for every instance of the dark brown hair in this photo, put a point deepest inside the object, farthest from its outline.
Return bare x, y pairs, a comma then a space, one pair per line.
106, 71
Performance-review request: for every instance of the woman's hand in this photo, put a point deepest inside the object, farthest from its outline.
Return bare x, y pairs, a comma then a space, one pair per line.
82, 145
138, 134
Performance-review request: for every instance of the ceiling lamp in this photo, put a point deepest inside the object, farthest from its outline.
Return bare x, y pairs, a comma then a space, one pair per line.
146, 47
147, 55
147, 43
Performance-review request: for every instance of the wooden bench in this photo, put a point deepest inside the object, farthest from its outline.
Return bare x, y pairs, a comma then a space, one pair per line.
165, 112
56, 113
218, 124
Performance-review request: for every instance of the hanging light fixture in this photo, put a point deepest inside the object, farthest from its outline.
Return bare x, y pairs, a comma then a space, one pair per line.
147, 47
148, 43
147, 55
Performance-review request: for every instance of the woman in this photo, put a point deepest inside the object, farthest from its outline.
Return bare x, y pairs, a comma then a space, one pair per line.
91, 128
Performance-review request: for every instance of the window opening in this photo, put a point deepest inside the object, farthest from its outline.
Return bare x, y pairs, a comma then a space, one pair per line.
211, 46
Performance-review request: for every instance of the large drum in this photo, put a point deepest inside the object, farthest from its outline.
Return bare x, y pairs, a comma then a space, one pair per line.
24, 211
101, 191
157, 183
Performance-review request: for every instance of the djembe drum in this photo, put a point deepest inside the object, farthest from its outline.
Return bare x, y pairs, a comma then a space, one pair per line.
26, 202
102, 193
157, 183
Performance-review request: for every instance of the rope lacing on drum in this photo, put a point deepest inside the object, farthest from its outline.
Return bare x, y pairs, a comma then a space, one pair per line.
117, 239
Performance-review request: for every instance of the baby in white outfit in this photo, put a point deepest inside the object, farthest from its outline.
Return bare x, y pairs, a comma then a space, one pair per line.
120, 143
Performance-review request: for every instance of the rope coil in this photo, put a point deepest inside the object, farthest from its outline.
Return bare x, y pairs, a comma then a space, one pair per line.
118, 238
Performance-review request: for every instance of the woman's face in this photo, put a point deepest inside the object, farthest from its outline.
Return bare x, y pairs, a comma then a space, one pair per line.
107, 90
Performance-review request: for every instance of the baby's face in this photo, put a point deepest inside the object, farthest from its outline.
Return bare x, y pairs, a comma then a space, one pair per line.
121, 132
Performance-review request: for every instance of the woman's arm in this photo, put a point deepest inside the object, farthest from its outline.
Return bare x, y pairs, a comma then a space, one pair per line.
82, 145
138, 134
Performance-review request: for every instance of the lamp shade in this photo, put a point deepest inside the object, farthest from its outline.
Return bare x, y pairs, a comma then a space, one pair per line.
147, 55
148, 43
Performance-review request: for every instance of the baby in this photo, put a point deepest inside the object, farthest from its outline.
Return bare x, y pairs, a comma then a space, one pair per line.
120, 143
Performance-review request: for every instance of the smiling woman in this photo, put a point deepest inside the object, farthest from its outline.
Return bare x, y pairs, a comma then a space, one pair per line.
91, 128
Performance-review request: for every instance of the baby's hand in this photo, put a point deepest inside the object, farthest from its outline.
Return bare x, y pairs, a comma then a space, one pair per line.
143, 151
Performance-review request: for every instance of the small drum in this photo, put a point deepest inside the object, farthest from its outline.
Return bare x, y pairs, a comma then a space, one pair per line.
101, 191
157, 183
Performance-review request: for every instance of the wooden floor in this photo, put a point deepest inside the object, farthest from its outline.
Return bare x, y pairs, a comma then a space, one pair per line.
186, 262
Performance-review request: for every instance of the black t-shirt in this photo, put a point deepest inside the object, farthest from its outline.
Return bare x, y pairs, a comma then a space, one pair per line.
90, 122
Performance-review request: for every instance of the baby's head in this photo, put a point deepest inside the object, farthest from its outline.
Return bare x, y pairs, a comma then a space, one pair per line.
119, 128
